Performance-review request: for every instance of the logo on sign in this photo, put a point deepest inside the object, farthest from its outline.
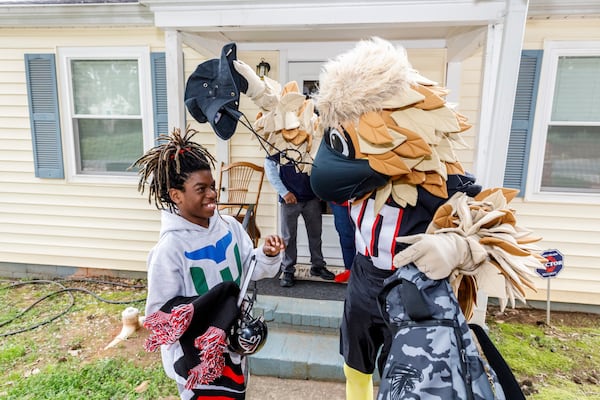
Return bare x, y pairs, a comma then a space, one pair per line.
553, 266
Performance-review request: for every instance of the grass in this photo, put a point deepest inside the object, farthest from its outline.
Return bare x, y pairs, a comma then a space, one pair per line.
561, 361
100, 380
65, 359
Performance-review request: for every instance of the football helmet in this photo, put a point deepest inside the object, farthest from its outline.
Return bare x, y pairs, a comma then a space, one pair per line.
248, 334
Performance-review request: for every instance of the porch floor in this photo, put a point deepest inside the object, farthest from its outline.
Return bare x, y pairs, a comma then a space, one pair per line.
306, 287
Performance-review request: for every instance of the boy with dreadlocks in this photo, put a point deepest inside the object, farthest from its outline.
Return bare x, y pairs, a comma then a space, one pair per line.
195, 269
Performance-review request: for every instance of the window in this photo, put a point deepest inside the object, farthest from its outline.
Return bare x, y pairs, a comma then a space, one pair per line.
566, 135
107, 110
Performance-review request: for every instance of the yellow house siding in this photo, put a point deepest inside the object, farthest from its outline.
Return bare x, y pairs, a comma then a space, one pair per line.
570, 28
112, 226
52, 221
430, 63
572, 229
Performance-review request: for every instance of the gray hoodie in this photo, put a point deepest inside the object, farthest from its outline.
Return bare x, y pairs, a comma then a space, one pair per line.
189, 260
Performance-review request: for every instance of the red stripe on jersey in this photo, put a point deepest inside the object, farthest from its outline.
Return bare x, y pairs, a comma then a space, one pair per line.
230, 373
361, 214
375, 235
396, 230
376, 232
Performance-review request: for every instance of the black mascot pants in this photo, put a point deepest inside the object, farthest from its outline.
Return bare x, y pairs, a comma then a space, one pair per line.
363, 331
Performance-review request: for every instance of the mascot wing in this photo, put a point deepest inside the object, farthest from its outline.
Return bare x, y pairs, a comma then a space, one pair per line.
490, 226
286, 120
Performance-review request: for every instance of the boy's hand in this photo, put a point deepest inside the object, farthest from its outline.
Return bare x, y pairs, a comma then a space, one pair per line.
273, 245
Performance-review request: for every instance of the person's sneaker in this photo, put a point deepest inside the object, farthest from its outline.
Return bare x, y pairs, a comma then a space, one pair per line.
322, 272
287, 280
343, 277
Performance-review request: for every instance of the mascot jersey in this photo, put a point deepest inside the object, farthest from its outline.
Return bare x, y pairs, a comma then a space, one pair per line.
189, 260
376, 232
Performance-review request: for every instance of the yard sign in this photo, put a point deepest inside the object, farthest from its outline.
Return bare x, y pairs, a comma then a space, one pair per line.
551, 268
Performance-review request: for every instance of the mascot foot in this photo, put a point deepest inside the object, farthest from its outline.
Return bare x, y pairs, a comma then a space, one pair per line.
359, 386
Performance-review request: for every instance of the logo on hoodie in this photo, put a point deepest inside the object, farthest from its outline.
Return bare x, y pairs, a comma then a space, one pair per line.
216, 253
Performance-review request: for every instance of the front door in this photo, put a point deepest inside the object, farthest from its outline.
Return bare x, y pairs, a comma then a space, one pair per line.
306, 73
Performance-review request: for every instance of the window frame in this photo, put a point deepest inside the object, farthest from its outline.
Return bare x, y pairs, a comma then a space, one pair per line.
552, 51
65, 56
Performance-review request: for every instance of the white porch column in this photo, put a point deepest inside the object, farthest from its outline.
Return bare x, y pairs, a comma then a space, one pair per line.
501, 70
491, 56
175, 79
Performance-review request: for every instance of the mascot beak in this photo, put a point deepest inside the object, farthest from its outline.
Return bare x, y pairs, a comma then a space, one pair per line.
353, 177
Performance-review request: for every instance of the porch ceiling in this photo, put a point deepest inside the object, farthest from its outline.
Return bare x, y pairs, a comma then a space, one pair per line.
322, 33
316, 21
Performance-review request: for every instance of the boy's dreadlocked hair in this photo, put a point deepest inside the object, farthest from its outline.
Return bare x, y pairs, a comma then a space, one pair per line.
169, 164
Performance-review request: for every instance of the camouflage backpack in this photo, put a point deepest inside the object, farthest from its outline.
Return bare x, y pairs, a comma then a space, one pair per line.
433, 354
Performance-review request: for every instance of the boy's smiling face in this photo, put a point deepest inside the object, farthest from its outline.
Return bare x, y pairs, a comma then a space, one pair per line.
197, 201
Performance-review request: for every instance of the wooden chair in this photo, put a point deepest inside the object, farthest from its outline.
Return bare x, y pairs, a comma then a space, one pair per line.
242, 181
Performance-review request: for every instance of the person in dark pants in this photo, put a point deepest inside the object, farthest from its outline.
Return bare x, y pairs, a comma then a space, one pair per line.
297, 198
345, 229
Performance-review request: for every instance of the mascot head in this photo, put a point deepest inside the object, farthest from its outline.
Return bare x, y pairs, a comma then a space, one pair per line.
388, 129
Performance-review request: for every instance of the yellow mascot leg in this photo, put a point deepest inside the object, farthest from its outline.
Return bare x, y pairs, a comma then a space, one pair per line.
359, 386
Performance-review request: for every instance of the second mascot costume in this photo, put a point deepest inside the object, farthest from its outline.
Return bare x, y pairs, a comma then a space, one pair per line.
388, 149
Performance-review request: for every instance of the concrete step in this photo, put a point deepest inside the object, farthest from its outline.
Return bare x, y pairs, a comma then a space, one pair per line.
298, 355
301, 313
303, 339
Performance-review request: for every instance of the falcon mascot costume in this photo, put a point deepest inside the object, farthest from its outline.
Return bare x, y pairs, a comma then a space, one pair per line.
389, 141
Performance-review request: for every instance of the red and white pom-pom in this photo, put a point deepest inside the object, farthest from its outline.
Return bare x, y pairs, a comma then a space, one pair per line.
167, 328
211, 344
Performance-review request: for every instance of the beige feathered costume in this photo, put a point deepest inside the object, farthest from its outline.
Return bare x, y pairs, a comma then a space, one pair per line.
400, 123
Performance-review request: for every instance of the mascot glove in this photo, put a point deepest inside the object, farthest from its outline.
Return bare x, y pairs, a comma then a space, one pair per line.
437, 255
256, 86
262, 93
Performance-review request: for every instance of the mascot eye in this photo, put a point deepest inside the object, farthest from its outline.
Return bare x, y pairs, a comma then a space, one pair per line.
339, 142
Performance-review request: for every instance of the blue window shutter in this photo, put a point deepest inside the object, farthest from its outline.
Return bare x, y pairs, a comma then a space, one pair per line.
159, 94
40, 71
522, 123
